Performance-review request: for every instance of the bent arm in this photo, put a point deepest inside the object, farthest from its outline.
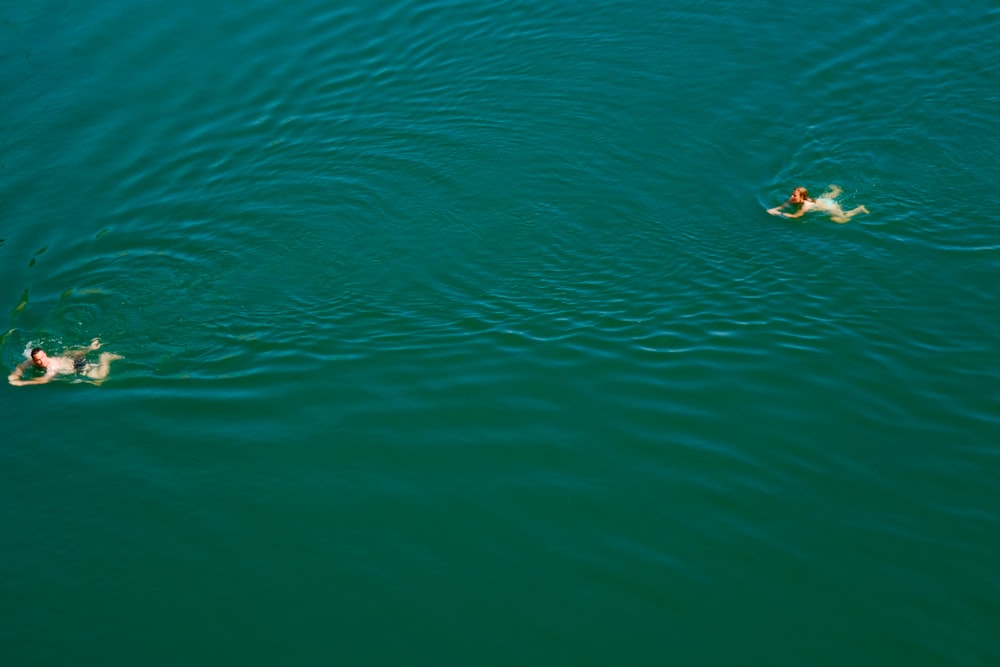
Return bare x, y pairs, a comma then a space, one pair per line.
39, 380
15, 377
797, 214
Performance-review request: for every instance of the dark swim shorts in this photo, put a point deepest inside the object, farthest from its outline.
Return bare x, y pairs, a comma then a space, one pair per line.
80, 365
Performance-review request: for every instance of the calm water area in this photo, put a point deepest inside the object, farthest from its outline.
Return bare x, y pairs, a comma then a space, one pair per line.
457, 333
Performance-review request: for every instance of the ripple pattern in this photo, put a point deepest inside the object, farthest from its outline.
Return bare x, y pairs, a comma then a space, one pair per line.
470, 314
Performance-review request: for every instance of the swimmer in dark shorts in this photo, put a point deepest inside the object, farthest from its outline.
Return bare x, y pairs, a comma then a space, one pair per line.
73, 364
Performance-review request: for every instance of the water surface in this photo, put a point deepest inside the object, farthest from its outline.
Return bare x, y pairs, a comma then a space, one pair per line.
457, 333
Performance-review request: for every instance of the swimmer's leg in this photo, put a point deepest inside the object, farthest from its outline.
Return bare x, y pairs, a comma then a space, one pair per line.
80, 352
844, 217
832, 192
836, 213
99, 372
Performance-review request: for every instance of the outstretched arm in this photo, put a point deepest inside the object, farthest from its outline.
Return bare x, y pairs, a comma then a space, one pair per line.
777, 209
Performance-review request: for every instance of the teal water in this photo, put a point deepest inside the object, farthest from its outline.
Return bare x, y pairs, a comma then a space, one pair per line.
456, 333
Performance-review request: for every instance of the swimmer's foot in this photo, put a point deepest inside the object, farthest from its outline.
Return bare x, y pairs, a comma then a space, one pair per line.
864, 209
110, 357
95, 344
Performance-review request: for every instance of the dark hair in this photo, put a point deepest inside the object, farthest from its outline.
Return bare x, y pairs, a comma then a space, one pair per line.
35, 350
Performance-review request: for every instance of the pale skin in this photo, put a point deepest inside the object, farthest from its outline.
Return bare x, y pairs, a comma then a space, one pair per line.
72, 363
825, 203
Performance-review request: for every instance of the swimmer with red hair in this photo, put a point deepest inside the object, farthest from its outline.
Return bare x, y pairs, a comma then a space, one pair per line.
826, 203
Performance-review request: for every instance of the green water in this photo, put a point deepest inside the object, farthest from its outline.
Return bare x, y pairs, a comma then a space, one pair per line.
456, 333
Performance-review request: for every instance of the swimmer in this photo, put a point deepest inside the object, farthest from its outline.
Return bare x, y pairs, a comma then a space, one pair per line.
74, 363
826, 202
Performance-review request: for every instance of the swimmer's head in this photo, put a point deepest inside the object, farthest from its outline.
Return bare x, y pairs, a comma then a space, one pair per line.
799, 195
38, 357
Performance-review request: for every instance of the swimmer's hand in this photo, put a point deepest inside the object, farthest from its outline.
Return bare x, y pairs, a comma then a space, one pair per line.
775, 211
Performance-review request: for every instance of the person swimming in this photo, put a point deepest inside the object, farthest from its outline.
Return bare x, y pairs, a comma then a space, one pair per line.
74, 363
826, 203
